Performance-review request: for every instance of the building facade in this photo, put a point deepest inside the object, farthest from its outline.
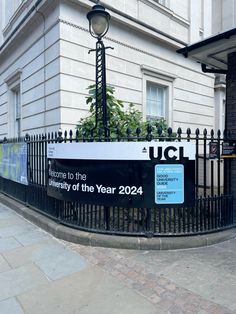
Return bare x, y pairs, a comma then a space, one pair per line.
45, 68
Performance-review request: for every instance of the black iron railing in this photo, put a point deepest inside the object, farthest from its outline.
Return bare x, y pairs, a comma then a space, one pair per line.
212, 210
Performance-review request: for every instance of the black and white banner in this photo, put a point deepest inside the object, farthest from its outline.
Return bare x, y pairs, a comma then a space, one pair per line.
136, 174
122, 151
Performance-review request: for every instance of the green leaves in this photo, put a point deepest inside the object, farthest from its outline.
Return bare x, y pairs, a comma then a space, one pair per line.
117, 116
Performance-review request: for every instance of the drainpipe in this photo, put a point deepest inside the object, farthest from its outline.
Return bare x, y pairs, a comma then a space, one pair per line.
214, 71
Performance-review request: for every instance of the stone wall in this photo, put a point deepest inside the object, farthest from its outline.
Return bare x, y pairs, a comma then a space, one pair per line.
49, 56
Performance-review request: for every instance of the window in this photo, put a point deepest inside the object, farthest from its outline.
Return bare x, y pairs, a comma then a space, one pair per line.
11, 6
17, 101
157, 94
156, 101
14, 104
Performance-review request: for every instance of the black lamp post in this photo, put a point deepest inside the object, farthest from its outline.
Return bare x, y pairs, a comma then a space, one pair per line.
98, 27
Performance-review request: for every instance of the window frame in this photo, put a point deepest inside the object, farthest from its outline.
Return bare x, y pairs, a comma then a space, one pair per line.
14, 90
17, 110
164, 90
162, 79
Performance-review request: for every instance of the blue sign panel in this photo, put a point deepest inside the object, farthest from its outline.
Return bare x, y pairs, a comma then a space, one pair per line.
169, 184
13, 162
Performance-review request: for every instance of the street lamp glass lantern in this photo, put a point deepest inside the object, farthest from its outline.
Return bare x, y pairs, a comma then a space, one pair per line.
99, 24
98, 21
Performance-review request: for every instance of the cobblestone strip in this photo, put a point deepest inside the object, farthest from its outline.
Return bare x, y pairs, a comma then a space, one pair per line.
158, 290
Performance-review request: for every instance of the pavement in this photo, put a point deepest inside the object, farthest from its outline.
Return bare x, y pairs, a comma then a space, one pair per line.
41, 274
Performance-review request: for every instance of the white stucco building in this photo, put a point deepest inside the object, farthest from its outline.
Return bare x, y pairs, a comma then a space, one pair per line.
45, 67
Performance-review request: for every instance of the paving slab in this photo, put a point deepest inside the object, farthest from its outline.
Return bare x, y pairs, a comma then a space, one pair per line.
89, 291
4, 265
61, 265
15, 230
32, 236
52, 257
41, 274
7, 244
182, 285
10, 306
209, 272
195, 276
202, 271
229, 245
11, 221
27, 254
222, 293
7, 214
17, 281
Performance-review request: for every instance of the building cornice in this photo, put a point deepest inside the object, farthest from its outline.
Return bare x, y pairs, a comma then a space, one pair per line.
20, 25
10, 25
116, 14
111, 39
166, 11
139, 25
170, 76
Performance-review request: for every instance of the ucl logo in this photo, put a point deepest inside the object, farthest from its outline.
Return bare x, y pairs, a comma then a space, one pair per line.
170, 153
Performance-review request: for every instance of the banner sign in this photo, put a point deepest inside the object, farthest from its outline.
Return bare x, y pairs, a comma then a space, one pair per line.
122, 174
13, 162
172, 151
229, 148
